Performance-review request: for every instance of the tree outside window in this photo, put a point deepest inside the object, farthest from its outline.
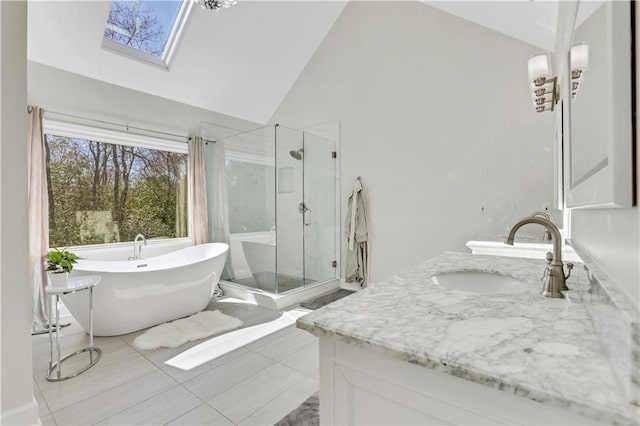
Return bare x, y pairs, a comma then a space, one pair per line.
104, 193
142, 25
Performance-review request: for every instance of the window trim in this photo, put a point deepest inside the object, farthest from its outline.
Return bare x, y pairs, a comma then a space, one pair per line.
126, 245
118, 137
164, 60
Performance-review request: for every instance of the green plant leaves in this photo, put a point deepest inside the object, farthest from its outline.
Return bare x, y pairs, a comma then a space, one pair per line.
61, 260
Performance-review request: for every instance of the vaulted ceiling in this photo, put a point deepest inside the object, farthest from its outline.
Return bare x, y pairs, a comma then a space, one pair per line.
533, 22
241, 61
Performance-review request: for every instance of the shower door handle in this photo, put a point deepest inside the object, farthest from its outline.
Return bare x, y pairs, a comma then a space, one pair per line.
305, 211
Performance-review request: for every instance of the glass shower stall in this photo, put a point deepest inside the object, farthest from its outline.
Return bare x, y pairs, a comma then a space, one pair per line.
281, 203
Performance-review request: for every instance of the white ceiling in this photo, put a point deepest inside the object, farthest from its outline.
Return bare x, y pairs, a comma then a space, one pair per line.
241, 61
533, 22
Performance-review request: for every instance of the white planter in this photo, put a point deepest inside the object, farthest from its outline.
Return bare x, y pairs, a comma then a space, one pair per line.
58, 280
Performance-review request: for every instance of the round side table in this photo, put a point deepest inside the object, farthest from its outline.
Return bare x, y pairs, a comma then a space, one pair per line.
74, 285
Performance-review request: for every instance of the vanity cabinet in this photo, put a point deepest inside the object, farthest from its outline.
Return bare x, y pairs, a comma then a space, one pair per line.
411, 351
361, 387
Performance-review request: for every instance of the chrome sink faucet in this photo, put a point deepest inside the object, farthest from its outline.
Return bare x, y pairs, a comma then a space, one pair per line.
547, 233
137, 254
554, 278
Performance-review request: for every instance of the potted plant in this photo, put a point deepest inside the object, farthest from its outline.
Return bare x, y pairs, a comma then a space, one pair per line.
59, 265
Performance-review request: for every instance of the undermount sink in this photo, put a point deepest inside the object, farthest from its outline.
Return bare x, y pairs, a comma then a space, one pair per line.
480, 282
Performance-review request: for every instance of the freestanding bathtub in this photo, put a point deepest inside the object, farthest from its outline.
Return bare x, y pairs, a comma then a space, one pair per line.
133, 295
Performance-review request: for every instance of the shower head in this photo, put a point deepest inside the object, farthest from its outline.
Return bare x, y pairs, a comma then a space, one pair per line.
297, 154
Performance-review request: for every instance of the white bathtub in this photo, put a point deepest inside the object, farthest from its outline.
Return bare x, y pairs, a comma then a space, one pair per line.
261, 258
133, 295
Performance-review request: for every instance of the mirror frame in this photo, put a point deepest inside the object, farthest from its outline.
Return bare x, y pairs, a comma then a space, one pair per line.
614, 184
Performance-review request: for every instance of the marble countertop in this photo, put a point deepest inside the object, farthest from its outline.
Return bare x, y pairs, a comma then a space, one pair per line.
535, 347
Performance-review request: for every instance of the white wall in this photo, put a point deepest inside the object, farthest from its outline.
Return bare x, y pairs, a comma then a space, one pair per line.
612, 236
61, 91
426, 100
17, 405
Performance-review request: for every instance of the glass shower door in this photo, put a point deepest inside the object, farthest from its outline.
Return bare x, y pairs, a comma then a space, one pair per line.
290, 209
319, 182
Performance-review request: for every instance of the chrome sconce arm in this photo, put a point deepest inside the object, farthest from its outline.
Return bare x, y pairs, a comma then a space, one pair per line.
542, 101
544, 89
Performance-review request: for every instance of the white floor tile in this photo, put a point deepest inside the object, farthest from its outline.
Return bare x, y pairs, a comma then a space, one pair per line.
285, 346
203, 415
271, 337
100, 378
43, 408
36, 388
245, 398
114, 400
127, 386
220, 379
158, 410
283, 404
48, 421
107, 345
183, 375
306, 360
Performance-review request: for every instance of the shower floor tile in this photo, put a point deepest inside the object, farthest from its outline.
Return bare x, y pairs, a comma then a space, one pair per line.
285, 282
129, 386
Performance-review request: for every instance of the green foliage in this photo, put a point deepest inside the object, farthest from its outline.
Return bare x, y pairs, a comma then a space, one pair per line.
102, 193
61, 261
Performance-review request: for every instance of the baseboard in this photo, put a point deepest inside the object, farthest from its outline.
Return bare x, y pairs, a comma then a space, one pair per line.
26, 414
295, 297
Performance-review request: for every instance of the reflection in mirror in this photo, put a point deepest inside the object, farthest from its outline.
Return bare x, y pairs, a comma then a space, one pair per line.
599, 146
590, 101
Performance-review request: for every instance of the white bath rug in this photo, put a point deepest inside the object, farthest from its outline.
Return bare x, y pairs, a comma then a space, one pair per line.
179, 332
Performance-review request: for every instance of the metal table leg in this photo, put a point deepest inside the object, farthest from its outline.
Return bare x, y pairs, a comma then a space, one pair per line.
50, 331
91, 349
58, 334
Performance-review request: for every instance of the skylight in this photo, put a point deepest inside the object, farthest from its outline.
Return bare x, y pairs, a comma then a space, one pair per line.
145, 30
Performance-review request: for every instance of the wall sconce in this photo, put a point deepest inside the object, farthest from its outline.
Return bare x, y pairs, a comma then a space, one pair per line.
579, 63
544, 88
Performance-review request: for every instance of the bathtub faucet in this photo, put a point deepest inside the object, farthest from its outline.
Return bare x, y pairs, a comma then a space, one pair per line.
137, 254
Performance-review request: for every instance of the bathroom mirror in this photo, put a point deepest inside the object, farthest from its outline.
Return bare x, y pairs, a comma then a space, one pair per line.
600, 165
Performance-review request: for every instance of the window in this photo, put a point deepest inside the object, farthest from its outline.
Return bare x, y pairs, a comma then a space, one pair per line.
146, 30
104, 192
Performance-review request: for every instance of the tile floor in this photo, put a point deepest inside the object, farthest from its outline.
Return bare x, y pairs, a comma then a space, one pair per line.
257, 384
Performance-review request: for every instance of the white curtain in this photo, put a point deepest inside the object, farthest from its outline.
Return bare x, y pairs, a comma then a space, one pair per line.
219, 204
198, 191
38, 215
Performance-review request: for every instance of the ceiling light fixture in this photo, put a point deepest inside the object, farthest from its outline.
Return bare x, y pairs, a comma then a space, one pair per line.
216, 5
